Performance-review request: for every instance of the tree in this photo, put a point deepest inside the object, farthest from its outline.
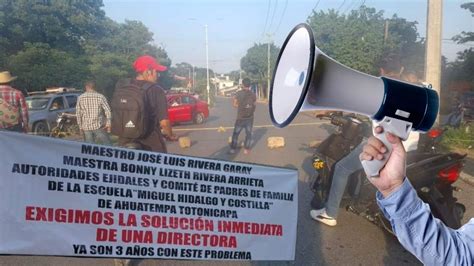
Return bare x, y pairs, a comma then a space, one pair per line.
460, 71
63, 43
63, 25
106, 68
112, 54
183, 70
255, 63
405, 42
358, 40
235, 76
39, 66
466, 36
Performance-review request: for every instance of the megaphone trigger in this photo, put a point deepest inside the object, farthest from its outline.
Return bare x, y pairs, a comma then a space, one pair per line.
399, 128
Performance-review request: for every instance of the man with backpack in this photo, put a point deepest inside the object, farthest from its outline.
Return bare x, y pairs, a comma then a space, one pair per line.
244, 101
13, 107
140, 109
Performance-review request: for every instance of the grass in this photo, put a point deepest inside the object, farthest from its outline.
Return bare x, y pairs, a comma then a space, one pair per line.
460, 139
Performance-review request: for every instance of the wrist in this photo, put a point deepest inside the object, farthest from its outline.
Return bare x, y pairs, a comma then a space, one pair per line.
392, 188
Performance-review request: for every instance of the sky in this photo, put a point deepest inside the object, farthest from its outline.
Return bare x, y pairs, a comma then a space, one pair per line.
234, 26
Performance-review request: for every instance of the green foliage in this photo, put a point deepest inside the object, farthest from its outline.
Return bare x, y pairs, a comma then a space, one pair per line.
63, 43
465, 37
201, 89
184, 70
255, 62
462, 137
41, 66
461, 68
358, 39
107, 68
61, 24
235, 76
200, 78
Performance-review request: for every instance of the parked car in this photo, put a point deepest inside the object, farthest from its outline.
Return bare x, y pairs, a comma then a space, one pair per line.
44, 108
184, 107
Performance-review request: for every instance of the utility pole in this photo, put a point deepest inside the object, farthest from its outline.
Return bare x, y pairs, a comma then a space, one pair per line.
386, 32
268, 65
268, 70
433, 45
207, 67
193, 78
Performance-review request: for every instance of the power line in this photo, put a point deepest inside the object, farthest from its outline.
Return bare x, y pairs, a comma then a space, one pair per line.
362, 4
349, 7
341, 6
314, 8
266, 19
281, 18
273, 15
448, 40
456, 43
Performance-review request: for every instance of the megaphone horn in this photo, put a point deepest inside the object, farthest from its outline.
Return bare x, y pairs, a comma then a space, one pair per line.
307, 79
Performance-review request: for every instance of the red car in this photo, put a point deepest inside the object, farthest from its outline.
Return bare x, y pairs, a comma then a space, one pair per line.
184, 107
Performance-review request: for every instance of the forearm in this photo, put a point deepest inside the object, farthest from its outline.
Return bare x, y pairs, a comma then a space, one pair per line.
420, 233
107, 111
24, 112
79, 117
235, 103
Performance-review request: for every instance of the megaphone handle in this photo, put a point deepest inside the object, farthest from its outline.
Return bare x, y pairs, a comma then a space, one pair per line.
395, 126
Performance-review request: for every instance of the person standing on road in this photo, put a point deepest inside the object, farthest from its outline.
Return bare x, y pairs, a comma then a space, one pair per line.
244, 101
350, 163
153, 101
156, 107
426, 237
93, 115
13, 107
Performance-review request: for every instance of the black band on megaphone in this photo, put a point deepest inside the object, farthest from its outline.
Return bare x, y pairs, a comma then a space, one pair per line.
408, 102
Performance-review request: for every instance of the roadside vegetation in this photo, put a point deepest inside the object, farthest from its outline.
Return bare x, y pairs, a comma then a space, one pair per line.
64, 43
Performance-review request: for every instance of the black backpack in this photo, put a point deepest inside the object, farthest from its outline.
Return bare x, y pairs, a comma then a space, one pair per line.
130, 116
247, 105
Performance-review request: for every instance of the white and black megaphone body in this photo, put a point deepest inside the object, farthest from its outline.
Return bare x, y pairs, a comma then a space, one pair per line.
307, 79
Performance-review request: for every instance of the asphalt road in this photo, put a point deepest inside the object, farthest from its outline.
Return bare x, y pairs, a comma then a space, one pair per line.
354, 241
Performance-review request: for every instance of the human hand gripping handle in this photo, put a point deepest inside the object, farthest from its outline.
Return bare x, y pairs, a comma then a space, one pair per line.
393, 171
395, 126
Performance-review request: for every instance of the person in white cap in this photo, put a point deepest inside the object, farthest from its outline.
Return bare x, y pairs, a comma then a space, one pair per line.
13, 107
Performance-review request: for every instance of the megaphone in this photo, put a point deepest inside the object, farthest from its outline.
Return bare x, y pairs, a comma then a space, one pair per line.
307, 79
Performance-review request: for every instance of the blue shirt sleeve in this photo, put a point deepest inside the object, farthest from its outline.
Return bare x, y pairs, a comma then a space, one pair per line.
424, 236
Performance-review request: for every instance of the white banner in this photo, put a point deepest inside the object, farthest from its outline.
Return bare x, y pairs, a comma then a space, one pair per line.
70, 198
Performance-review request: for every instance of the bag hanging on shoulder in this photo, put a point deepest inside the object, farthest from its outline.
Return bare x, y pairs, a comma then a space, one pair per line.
247, 105
9, 114
130, 118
